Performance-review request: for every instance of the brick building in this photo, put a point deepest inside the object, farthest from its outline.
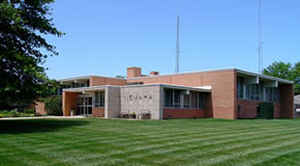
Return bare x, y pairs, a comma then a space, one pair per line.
225, 94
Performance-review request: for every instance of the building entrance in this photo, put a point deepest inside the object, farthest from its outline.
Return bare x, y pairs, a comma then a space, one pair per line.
84, 105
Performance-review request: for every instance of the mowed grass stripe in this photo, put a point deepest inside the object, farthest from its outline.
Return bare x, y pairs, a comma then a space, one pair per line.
40, 139
111, 138
159, 155
211, 146
254, 153
114, 151
133, 142
163, 145
286, 158
213, 153
150, 160
181, 142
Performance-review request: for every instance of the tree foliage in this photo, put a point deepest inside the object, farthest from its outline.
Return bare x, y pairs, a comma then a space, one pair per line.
285, 71
53, 105
23, 49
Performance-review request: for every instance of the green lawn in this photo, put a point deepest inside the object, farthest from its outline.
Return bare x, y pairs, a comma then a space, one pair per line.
13, 114
91, 142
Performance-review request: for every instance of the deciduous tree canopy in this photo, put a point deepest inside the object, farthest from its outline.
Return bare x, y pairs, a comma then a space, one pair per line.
23, 49
285, 71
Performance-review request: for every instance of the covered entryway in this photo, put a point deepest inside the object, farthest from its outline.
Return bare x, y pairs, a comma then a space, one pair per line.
85, 101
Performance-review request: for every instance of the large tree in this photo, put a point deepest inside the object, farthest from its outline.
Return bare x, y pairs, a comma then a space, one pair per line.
285, 71
296, 72
23, 49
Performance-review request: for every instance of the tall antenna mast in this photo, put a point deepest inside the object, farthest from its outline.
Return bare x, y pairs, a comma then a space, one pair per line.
177, 47
260, 42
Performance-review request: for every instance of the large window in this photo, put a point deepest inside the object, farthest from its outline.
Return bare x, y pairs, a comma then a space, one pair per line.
172, 98
99, 99
257, 92
272, 95
169, 97
184, 99
240, 88
198, 100
80, 84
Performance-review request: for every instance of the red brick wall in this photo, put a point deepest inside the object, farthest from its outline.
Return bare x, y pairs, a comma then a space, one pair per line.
69, 102
209, 106
40, 108
98, 81
286, 101
183, 113
247, 109
223, 82
98, 112
276, 110
134, 72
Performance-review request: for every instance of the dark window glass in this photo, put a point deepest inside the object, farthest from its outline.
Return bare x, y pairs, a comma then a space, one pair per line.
240, 87
99, 99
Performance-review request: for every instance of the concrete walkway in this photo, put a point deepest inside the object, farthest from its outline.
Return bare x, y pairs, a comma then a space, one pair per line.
44, 117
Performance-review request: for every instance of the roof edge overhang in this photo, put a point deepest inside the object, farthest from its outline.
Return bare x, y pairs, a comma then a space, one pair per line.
264, 76
86, 78
99, 88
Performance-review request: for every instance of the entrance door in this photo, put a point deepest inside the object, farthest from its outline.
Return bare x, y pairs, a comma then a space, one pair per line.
84, 105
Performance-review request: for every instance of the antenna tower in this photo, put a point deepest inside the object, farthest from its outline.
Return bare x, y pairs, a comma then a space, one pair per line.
260, 42
177, 47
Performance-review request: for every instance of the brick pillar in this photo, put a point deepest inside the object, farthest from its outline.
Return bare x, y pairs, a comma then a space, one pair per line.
286, 101
69, 102
209, 106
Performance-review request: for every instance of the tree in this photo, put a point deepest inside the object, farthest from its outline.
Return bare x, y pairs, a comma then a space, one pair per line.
296, 72
23, 49
280, 70
285, 71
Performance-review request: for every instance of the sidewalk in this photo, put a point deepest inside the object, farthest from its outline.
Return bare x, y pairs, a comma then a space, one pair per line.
44, 117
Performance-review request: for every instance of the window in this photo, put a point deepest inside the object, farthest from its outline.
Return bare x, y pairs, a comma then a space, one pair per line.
186, 101
272, 95
254, 92
180, 99
240, 87
168, 97
80, 84
99, 99
198, 100
260, 93
177, 99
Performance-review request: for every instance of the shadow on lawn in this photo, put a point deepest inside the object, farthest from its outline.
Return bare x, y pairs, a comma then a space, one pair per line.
31, 126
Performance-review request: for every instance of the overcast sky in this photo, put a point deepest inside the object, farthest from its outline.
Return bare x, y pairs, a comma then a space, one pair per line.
104, 37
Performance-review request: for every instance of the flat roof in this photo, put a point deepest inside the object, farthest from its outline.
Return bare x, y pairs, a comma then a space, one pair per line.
94, 88
195, 72
264, 76
86, 78
219, 70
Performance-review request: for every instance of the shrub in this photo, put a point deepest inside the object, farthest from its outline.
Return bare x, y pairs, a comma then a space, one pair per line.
14, 113
53, 105
4, 111
29, 111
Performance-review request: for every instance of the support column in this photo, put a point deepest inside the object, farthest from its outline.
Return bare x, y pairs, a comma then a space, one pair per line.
69, 102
